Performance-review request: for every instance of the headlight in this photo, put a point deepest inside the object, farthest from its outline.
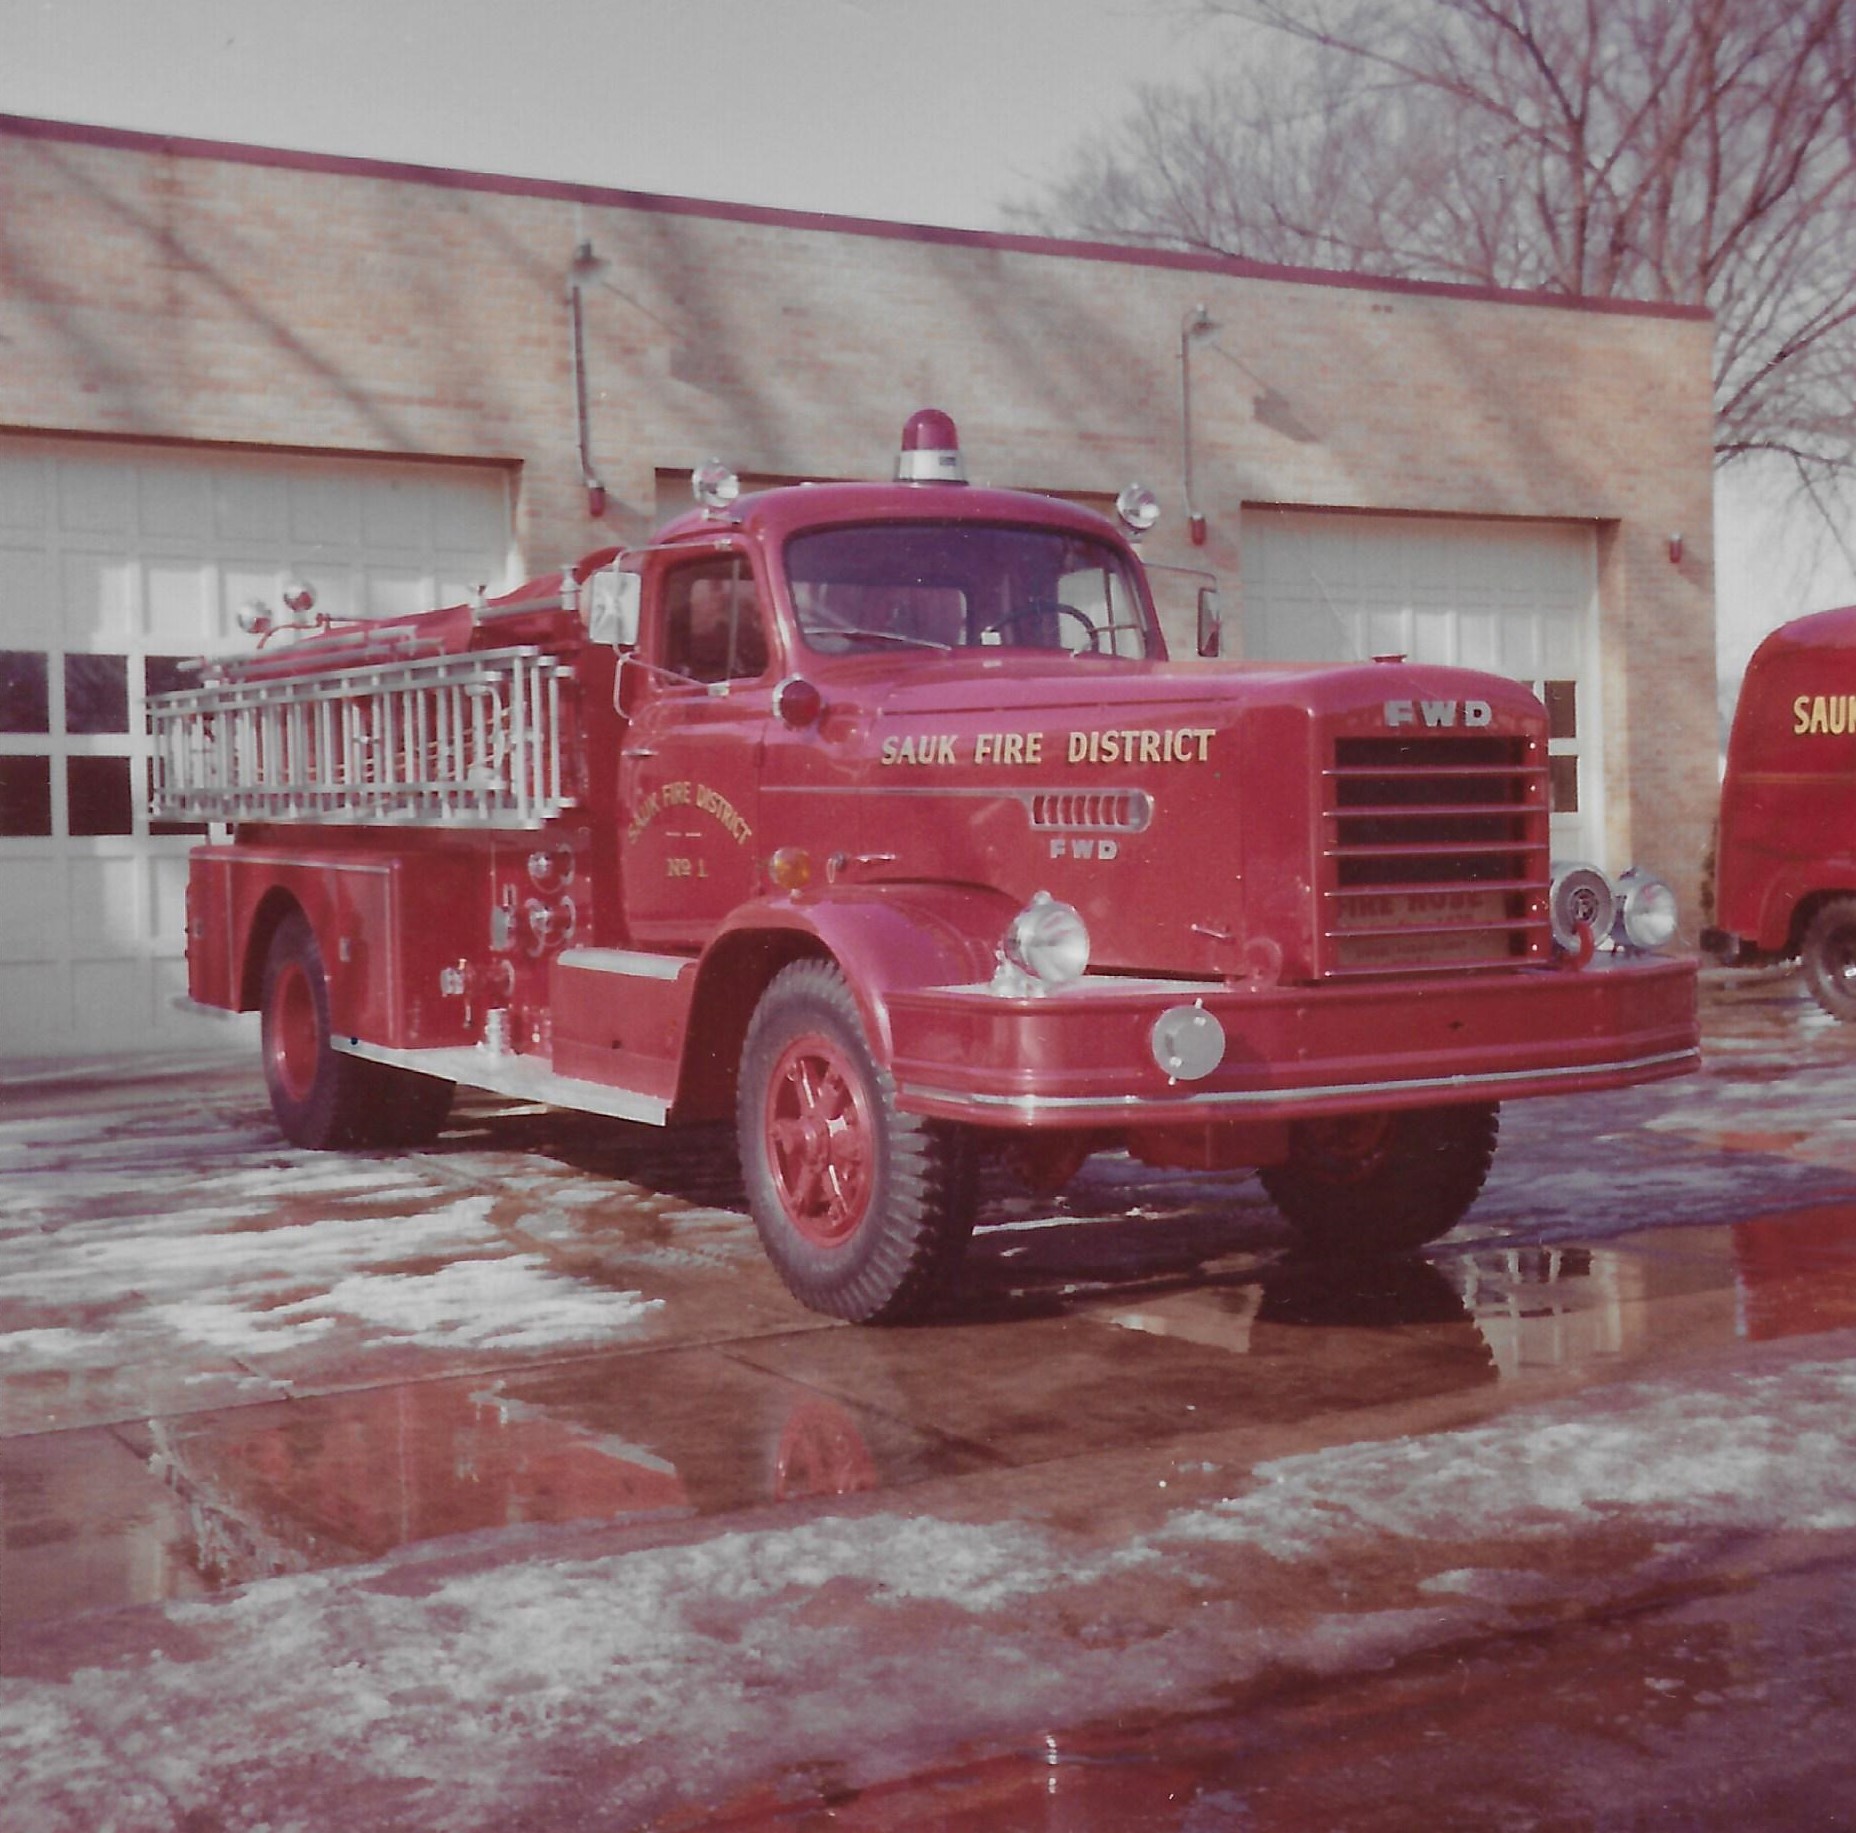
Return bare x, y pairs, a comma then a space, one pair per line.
1049, 941
1646, 910
1580, 898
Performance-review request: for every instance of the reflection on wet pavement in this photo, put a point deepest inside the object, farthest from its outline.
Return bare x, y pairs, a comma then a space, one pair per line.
353, 1476
1797, 1271
347, 1476
221, 1359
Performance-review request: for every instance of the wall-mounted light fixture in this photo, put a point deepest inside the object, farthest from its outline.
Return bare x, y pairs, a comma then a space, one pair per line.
1197, 323
586, 266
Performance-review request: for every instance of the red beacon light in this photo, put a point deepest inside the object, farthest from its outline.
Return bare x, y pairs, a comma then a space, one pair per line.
930, 450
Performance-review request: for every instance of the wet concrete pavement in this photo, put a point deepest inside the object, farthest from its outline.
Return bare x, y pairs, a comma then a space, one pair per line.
502, 1485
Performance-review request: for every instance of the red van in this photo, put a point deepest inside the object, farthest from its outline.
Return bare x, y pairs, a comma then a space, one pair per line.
1785, 871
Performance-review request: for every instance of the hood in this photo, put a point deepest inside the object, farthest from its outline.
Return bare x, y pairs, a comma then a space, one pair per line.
1181, 807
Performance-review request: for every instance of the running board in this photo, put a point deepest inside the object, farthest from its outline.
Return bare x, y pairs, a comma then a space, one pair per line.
523, 1078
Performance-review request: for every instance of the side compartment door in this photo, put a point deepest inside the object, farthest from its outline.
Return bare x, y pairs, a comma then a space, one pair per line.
698, 697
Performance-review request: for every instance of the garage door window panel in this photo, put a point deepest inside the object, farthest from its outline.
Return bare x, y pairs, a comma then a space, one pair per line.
1561, 699
98, 795
96, 695
25, 691
25, 798
1562, 702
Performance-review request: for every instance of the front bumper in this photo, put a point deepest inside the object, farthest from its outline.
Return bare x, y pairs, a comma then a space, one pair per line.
1084, 1057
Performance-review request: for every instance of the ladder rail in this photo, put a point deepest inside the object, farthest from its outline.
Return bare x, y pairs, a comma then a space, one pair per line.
466, 740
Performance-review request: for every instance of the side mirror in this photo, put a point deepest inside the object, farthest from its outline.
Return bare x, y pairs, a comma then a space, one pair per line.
612, 607
1211, 622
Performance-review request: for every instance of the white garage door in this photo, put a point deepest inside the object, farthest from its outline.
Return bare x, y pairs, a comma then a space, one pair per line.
1514, 598
116, 564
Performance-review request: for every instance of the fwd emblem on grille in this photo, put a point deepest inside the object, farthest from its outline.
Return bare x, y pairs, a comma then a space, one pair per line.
1439, 712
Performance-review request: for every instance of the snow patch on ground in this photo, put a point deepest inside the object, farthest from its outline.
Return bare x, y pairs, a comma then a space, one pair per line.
252, 1292
1769, 1452
175, 1255
516, 1303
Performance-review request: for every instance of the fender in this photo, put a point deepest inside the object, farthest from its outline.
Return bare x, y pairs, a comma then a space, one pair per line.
344, 896
1790, 887
887, 938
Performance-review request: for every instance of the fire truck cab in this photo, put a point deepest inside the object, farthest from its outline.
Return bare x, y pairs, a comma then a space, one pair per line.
875, 817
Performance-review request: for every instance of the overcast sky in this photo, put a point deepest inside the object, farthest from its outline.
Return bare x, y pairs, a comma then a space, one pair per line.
930, 111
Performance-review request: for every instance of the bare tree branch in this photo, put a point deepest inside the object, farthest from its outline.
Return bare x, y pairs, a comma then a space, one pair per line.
1683, 151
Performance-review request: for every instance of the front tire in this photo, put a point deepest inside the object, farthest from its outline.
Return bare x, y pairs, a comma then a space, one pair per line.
1828, 954
1383, 1183
865, 1212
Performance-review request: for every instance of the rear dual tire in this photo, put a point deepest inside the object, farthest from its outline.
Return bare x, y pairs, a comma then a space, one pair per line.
323, 1097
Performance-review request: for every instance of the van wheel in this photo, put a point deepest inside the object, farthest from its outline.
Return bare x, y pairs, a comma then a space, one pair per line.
321, 1096
1383, 1183
1829, 956
864, 1212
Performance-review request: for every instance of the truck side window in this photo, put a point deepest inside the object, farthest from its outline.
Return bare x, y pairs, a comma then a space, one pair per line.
1108, 608
712, 623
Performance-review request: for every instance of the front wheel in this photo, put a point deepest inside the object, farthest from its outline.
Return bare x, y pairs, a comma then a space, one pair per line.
865, 1212
1383, 1182
1829, 957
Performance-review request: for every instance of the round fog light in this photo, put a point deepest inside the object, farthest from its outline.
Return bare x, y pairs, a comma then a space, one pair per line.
1646, 910
1188, 1042
1049, 940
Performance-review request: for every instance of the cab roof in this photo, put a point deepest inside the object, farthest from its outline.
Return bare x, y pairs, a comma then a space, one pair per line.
1821, 630
773, 515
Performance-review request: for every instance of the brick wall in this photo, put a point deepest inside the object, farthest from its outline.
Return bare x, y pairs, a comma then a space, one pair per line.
161, 290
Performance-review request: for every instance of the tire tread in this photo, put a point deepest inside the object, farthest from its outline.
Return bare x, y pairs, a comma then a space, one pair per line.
907, 1252
1430, 1170
1831, 933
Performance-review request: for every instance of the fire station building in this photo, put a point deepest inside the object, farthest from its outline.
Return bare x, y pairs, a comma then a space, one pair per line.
225, 370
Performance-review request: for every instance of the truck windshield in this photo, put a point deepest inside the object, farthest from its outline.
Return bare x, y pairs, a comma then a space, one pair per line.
963, 585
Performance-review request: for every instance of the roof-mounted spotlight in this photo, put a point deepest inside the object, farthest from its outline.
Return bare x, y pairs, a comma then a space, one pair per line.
1138, 508
714, 486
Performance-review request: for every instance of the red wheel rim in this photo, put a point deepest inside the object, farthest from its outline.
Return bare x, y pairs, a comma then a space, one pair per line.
821, 1140
1348, 1148
295, 1040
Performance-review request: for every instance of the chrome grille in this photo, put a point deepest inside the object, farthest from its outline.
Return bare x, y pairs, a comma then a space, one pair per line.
1114, 811
1435, 854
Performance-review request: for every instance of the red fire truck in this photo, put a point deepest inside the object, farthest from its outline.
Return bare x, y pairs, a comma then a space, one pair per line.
874, 816
1785, 864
